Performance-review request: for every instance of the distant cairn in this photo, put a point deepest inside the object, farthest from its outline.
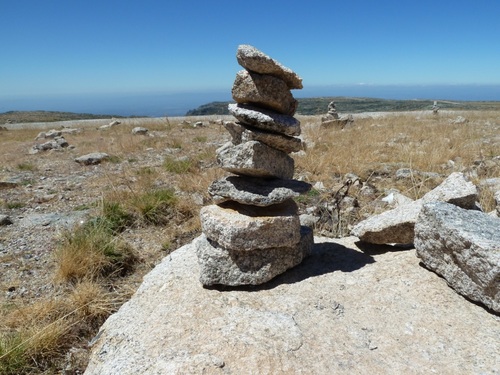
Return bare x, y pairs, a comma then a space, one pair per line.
252, 233
333, 120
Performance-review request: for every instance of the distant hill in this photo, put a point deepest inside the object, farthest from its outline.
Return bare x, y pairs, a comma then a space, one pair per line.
15, 117
318, 106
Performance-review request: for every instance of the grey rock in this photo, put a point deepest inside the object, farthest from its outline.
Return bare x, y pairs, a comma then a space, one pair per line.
5, 220
241, 133
320, 317
339, 123
255, 159
256, 61
256, 191
455, 189
265, 119
56, 144
264, 91
51, 134
463, 246
243, 227
397, 225
93, 158
308, 220
234, 267
62, 220
138, 130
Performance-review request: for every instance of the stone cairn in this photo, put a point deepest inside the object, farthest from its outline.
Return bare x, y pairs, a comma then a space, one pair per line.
333, 120
252, 233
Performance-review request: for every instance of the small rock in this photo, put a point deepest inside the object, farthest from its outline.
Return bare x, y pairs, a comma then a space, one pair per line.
140, 131
93, 158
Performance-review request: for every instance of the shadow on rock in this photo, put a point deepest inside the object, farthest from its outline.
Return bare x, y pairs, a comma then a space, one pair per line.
325, 258
375, 249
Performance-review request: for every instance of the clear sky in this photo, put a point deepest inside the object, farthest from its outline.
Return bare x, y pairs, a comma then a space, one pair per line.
107, 47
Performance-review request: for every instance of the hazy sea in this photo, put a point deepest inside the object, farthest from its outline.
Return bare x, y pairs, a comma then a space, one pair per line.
177, 104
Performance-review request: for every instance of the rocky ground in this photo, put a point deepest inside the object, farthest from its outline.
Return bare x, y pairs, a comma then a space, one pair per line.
44, 193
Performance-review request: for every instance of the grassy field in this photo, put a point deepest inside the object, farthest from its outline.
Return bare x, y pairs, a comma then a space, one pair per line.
144, 203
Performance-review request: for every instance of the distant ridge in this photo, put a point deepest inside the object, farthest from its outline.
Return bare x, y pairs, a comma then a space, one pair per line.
319, 105
48, 116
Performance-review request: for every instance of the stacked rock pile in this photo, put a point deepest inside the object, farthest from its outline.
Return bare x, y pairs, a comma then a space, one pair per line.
332, 118
252, 233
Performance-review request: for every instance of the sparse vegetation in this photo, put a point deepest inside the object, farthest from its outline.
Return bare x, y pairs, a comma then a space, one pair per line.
146, 203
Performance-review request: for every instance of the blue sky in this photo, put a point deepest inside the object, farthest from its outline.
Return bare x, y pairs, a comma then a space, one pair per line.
83, 49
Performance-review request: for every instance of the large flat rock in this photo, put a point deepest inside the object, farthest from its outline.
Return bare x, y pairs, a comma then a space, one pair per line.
341, 311
463, 246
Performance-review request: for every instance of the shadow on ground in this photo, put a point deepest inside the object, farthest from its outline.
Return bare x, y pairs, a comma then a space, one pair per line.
325, 258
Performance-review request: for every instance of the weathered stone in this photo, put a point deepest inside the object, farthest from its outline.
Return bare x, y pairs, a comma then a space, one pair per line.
93, 158
256, 61
234, 267
463, 246
264, 91
456, 189
255, 159
339, 124
138, 130
265, 119
343, 310
243, 227
397, 225
393, 226
241, 133
256, 191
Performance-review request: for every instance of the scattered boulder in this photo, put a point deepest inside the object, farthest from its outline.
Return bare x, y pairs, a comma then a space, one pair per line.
463, 246
140, 131
93, 158
397, 225
51, 134
58, 143
459, 120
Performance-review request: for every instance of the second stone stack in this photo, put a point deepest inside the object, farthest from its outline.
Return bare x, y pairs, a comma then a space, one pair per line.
252, 233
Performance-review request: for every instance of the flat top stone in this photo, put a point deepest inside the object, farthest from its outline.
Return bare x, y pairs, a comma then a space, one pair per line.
256, 61
256, 191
